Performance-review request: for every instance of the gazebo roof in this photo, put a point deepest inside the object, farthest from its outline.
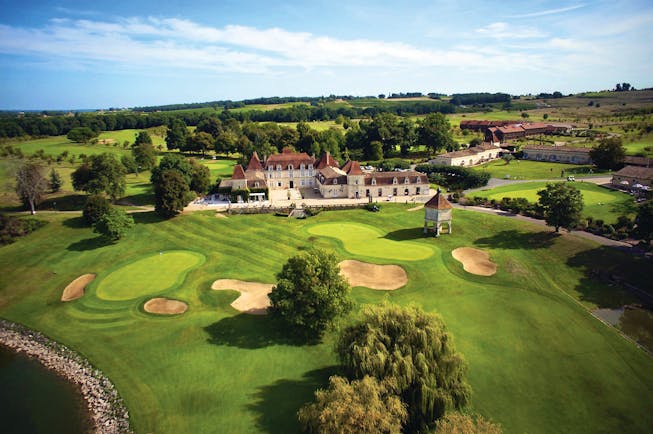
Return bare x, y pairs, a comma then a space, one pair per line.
438, 202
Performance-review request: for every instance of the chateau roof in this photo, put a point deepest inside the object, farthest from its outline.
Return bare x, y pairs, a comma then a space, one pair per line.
254, 163
239, 173
387, 178
326, 160
555, 148
352, 168
438, 202
287, 158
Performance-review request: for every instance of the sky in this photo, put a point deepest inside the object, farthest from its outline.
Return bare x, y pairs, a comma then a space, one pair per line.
92, 55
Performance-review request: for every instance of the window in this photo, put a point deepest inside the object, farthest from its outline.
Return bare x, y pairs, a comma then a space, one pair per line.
380, 192
301, 166
394, 191
407, 180
290, 167
335, 182
279, 167
406, 192
374, 181
256, 184
394, 180
417, 190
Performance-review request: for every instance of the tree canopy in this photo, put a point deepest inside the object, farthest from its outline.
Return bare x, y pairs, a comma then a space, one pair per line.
101, 173
414, 349
609, 154
562, 204
114, 224
171, 193
434, 132
357, 407
458, 423
310, 293
81, 134
95, 207
30, 184
644, 221
176, 135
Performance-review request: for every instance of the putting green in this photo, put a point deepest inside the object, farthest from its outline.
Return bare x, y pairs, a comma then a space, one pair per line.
153, 274
365, 240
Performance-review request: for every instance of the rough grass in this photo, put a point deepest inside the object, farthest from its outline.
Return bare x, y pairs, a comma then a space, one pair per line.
600, 203
529, 341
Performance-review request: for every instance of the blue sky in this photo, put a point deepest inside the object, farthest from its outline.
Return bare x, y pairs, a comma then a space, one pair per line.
74, 55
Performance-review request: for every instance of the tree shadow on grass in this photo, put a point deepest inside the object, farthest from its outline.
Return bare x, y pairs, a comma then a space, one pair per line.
513, 239
76, 223
69, 202
147, 217
613, 278
276, 404
88, 244
406, 234
252, 332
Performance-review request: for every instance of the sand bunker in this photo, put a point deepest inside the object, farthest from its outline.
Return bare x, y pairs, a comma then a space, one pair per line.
253, 295
165, 306
76, 288
475, 261
382, 277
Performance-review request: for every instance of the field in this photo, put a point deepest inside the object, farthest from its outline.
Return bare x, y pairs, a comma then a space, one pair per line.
526, 169
525, 332
600, 203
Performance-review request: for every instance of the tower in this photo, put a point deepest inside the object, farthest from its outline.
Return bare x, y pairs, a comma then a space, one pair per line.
437, 211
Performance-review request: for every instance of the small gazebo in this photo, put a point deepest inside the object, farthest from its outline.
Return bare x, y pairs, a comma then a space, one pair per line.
437, 212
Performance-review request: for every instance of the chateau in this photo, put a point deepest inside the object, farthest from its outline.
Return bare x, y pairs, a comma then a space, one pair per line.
298, 170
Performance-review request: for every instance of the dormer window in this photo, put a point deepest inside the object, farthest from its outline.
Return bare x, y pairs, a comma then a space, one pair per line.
335, 182
279, 167
373, 181
407, 180
290, 167
394, 180
310, 167
301, 166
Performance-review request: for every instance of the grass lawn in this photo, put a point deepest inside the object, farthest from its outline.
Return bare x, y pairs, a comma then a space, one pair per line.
644, 147
526, 169
57, 144
525, 332
136, 278
361, 239
600, 203
223, 168
129, 135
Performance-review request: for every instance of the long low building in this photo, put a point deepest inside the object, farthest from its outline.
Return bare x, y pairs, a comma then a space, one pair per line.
468, 157
633, 177
557, 154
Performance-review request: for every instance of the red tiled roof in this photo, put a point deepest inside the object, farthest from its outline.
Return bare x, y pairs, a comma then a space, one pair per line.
511, 129
239, 173
352, 168
534, 126
438, 202
639, 161
326, 160
288, 157
254, 163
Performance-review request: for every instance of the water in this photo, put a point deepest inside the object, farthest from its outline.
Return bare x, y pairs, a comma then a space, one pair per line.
33, 400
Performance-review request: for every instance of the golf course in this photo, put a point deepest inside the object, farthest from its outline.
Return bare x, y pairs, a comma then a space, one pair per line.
539, 362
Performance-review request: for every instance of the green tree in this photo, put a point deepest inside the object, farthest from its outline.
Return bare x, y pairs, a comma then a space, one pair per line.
200, 181
458, 423
176, 135
55, 181
310, 293
507, 158
413, 349
95, 207
30, 185
199, 142
129, 163
101, 173
114, 224
644, 222
81, 135
226, 142
171, 193
525, 115
144, 155
562, 204
143, 138
175, 162
374, 151
609, 154
361, 406
434, 132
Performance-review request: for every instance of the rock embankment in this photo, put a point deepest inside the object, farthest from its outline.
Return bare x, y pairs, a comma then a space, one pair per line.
107, 410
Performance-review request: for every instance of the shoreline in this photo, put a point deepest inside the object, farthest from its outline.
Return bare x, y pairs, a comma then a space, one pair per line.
106, 409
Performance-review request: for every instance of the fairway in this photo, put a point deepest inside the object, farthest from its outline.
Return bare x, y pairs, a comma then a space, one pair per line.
525, 332
600, 203
525, 169
156, 273
367, 241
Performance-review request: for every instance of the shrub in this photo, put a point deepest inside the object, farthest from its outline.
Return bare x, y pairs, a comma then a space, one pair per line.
95, 207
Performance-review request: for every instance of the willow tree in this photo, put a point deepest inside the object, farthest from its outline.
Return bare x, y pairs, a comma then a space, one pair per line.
413, 349
357, 407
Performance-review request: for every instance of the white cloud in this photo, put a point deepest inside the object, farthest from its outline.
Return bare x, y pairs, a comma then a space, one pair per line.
502, 30
548, 12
